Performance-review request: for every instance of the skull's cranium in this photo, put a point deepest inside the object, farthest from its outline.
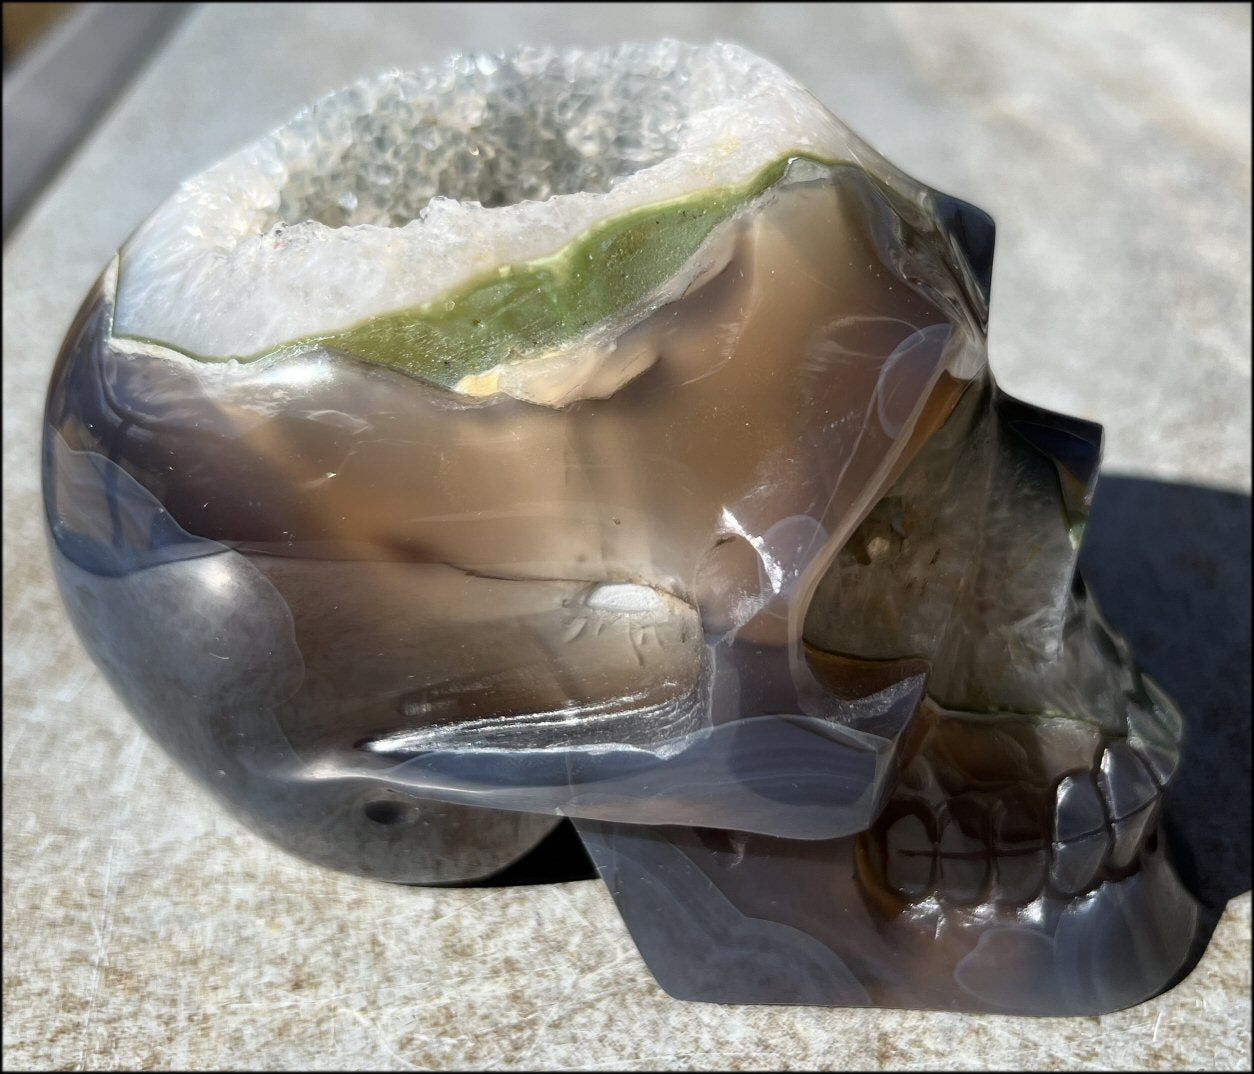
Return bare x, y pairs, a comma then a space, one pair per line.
570, 435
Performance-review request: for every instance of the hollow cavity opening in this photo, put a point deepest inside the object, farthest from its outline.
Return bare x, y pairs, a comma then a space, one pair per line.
492, 131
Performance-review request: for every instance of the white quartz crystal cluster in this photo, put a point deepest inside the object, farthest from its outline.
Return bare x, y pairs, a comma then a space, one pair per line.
387, 194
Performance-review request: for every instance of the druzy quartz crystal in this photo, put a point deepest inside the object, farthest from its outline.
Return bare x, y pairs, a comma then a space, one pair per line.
609, 435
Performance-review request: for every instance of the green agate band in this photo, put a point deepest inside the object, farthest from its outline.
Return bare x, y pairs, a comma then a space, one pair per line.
534, 308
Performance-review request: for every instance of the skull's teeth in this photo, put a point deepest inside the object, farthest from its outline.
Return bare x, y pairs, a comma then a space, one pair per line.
1073, 867
1131, 834
909, 853
1126, 783
1020, 835
962, 860
1131, 798
1078, 810
1081, 837
1006, 846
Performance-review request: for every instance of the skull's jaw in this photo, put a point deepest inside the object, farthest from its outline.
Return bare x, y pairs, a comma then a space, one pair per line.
734, 918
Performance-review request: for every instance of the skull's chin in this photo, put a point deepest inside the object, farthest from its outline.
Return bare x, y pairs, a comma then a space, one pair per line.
416, 219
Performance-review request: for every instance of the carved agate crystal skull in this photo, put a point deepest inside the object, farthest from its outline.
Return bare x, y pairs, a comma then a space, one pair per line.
609, 435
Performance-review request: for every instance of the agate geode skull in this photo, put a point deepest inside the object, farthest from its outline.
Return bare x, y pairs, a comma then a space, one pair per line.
609, 435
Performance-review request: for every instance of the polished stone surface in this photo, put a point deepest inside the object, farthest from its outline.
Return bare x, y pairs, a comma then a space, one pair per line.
129, 857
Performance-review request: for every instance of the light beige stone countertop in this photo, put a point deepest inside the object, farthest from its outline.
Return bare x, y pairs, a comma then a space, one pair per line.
144, 929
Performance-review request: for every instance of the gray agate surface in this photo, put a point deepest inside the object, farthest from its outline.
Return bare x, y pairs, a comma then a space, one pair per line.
610, 435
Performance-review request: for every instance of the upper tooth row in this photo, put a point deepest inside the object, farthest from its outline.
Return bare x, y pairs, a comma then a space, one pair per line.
1100, 819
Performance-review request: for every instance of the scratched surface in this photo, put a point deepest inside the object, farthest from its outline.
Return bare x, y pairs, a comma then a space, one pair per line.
143, 929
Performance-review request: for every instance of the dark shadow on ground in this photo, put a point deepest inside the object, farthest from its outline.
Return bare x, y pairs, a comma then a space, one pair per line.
1169, 565
558, 858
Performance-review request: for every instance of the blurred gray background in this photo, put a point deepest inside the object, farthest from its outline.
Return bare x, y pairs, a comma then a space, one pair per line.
1112, 145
